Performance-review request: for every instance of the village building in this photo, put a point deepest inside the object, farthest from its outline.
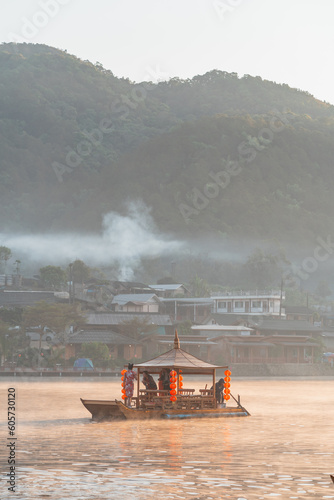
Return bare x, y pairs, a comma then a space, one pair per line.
273, 349
299, 313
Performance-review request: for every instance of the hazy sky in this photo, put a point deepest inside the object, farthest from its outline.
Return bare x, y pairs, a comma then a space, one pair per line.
286, 41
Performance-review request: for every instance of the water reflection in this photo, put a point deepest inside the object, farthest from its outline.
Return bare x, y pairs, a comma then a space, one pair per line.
283, 450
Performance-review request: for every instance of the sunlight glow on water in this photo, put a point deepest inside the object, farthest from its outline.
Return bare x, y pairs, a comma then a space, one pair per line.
284, 450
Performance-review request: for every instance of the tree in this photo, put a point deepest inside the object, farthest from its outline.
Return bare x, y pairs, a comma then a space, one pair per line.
136, 327
200, 287
11, 316
263, 269
80, 271
53, 276
4, 341
96, 351
323, 289
57, 317
10, 341
5, 255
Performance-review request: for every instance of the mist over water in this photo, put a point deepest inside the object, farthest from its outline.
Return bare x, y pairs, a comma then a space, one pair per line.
283, 450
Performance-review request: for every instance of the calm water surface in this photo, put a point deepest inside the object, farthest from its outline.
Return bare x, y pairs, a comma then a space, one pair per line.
285, 450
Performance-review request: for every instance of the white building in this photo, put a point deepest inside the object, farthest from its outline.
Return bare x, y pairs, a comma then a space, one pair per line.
252, 303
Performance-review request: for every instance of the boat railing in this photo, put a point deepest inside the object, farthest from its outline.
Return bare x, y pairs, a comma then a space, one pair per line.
188, 402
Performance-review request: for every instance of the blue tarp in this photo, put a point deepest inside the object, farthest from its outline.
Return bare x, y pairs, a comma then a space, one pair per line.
83, 364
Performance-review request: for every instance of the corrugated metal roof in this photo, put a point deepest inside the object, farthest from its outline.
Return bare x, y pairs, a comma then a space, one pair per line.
106, 337
120, 318
189, 342
256, 344
287, 325
25, 298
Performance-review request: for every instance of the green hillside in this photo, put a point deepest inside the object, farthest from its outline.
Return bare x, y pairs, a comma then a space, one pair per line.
77, 142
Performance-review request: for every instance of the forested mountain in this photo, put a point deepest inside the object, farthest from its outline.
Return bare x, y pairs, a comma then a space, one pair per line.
77, 142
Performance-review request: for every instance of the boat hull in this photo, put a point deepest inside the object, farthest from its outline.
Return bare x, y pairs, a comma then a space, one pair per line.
103, 410
116, 410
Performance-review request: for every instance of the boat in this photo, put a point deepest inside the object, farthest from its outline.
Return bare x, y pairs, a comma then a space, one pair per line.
178, 402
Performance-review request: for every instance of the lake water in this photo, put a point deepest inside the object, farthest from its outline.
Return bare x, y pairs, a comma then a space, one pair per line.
284, 450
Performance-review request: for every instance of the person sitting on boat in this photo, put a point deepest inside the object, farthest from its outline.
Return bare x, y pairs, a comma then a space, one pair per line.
149, 382
129, 377
219, 390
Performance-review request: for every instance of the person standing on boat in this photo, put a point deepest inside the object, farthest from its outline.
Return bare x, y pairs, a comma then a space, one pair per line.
219, 390
129, 378
164, 380
149, 382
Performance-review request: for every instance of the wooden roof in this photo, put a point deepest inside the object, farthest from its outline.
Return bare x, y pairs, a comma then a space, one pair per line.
176, 358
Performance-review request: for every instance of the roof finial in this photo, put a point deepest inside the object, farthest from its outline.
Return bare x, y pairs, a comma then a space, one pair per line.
176, 341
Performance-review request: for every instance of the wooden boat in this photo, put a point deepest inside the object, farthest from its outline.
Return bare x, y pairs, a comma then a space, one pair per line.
160, 404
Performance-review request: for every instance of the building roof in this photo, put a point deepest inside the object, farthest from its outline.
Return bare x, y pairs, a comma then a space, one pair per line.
188, 300
249, 294
189, 342
22, 298
167, 286
104, 336
113, 319
287, 325
220, 328
141, 298
177, 358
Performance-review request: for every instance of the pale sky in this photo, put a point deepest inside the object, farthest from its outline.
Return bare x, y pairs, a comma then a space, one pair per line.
286, 41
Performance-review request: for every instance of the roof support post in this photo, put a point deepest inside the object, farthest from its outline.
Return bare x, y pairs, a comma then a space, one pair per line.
138, 382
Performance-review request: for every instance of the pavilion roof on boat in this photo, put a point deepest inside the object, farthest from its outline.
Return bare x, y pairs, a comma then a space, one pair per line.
177, 358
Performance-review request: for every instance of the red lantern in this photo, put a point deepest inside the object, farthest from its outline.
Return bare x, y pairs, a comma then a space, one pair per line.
227, 373
172, 386
227, 385
172, 398
227, 379
227, 397
123, 396
173, 392
180, 377
123, 371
